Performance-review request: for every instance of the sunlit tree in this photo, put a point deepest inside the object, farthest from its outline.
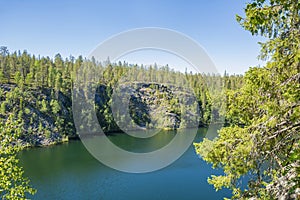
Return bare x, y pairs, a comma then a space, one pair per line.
13, 184
262, 142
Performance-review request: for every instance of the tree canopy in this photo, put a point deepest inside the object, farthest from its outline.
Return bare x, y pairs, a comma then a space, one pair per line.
262, 142
13, 184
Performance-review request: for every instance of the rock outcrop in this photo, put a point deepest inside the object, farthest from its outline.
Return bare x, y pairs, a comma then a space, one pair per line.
48, 118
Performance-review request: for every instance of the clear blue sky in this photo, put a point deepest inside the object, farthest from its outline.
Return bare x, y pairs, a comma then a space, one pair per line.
77, 27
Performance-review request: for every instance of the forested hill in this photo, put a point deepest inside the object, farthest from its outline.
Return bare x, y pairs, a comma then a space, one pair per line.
38, 92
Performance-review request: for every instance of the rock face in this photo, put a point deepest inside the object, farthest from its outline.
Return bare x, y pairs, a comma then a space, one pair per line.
155, 106
140, 105
42, 124
48, 118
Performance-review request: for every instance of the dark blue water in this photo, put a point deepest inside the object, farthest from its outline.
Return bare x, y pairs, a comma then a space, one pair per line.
68, 171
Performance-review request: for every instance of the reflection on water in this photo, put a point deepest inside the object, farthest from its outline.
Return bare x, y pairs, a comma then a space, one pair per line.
68, 171
142, 145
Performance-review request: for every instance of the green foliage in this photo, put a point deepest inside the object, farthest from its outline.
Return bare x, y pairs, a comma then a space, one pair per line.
18, 78
13, 184
29, 78
55, 106
3, 108
44, 106
262, 141
38, 76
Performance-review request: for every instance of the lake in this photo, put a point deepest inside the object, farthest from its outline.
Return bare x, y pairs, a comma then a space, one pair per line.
68, 171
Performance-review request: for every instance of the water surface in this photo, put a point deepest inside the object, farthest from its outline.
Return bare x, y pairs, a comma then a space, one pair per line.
68, 171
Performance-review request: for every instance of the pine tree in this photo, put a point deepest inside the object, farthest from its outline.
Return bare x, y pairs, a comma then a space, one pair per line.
266, 146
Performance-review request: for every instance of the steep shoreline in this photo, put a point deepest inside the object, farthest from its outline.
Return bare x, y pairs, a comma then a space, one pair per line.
38, 91
48, 119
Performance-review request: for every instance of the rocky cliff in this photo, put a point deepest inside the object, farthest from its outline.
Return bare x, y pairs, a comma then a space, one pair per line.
47, 116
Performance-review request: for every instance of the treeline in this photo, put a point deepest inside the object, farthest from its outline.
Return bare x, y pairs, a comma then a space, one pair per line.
38, 90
